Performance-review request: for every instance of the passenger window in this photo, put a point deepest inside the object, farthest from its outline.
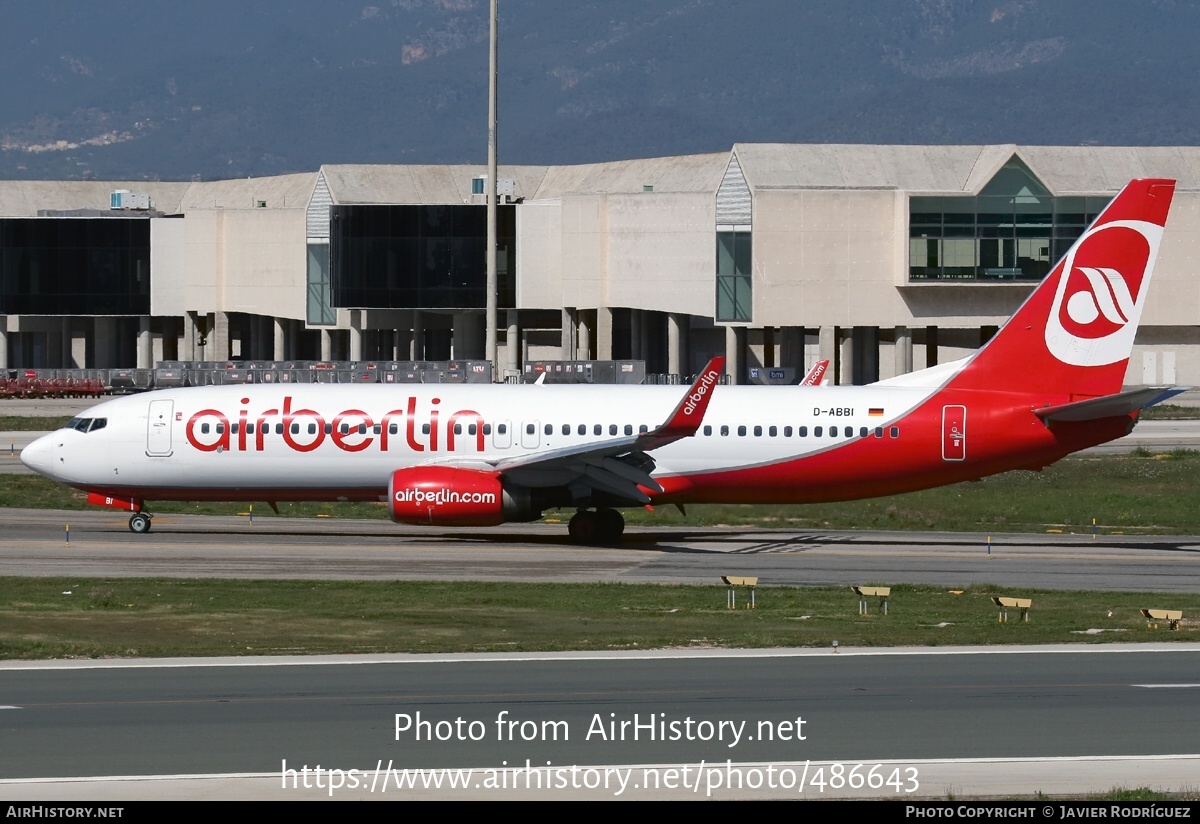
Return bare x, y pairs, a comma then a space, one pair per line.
487, 429
278, 429
312, 429
233, 429
758, 431
249, 429
344, 429
833, 431
773, 431
458, 429
501, 428
818, 431
393, 429
566, 429
724, 431
203, 429
741, 431
787, 432
220, 428
895, 432
597, 430
612, 429
377, 429
582, 429
803, 432
471, 429
707, 429
879, 432
530, 429
295, 429
549, 429
644, 429
628, 429
862, 432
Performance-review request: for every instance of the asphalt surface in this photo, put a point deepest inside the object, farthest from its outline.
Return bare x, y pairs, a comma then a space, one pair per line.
933, 716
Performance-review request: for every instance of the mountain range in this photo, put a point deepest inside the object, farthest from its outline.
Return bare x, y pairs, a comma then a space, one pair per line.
127, 90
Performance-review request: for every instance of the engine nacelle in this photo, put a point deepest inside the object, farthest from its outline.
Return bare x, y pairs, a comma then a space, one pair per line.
446, 496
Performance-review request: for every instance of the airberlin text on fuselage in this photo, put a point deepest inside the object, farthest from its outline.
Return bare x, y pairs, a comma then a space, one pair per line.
352, 430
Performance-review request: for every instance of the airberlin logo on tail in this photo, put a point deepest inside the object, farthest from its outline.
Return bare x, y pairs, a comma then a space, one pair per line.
706, 382
1100, 293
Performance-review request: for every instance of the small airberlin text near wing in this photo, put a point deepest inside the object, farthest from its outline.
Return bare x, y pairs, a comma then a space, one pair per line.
685, 421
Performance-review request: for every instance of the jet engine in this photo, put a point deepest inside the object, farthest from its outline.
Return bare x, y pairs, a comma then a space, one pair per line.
448, 496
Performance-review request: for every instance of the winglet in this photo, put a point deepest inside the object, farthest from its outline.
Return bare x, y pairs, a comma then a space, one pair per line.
689, 414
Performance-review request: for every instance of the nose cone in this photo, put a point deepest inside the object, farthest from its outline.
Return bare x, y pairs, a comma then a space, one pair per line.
39, 455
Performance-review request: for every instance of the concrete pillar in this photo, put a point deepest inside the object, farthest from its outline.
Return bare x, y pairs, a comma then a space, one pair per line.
103, 332
417, 347
791, 348
470, 336
866, 354
279, 350
769, 359
604, 333
635, 333
845, 358
145, 353
568, 334
827, 350
187, 340
584, 341
512, 342
54, 350
904, 355
931, 346
218, 338
676, 362
68, 356
326, 345
356, 335
3, 341
735, 353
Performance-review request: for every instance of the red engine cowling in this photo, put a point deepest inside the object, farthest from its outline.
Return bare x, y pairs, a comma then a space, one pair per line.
445, 496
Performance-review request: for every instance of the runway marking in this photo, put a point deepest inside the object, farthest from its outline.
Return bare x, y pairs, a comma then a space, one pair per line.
8, 707
610, 655
1167, 686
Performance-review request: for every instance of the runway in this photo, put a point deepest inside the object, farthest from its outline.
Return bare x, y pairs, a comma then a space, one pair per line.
34, 543
966, 721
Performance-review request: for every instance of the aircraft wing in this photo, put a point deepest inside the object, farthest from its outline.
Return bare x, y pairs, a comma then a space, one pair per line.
620, 466
1110, 406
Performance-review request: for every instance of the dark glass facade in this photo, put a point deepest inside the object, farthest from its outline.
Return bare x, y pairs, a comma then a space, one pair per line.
1014, 230
418, 257
75, 266
734, 294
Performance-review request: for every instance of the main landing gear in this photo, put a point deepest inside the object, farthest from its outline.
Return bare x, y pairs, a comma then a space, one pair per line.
592, 528
139, 523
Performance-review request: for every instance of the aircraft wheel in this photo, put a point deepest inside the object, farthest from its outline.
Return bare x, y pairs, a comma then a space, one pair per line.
583, 528
610, 525
139, 523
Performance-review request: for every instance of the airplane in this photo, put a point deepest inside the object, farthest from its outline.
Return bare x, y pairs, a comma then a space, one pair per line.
816, 375
1047, 384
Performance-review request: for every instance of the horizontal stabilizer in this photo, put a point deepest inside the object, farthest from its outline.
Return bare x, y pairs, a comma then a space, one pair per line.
1110, 406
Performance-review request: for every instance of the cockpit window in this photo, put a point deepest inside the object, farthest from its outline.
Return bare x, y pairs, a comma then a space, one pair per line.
87, 424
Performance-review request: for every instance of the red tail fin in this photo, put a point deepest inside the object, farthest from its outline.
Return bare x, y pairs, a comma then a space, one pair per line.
1074, 334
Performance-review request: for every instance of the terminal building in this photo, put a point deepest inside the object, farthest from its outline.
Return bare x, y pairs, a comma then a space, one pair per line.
884, 259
